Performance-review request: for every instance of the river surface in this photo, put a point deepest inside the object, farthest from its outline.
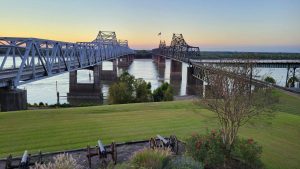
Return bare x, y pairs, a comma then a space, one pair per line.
45, 90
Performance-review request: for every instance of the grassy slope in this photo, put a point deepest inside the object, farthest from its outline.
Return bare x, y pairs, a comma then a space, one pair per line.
62, 129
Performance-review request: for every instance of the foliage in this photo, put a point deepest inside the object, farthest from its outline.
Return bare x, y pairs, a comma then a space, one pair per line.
142, 91
119, 93
249, 152
150, 159
209, 149
61, 161
184, 162
292, 80
270, 79
129, 90
163, 93
68, 124
234, 100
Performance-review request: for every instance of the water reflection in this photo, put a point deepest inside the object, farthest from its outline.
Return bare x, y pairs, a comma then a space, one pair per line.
45, 90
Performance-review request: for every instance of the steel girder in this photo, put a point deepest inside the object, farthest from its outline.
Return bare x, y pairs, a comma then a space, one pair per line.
24, 60
178, 50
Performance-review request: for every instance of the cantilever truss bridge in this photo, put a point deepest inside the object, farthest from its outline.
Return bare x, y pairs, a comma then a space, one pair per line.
179, 50
29, 59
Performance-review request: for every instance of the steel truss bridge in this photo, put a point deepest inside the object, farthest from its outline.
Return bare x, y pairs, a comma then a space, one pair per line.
180, 51
23, 60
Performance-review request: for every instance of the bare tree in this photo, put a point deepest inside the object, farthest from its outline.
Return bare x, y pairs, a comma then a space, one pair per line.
236, 98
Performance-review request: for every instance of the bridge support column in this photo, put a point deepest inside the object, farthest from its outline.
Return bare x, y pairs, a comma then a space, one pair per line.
291, 77
176, 70
194, 85
175, 76
125, 61
161, 61
110, 75
85, 93
13, 99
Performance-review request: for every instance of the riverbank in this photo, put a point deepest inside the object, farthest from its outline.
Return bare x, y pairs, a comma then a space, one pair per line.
72, 128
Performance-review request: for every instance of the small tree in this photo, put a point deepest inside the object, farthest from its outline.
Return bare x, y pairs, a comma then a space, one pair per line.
142, 91
235, 99
163, 93
128, 90
270, 79
292, 80
119, 93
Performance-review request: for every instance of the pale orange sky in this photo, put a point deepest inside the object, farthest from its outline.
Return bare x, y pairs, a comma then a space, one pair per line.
267, 25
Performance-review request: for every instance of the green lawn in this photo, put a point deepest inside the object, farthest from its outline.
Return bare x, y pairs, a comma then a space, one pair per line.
63, 129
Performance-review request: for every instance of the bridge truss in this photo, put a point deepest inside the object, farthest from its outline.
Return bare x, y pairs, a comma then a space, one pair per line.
24, 60
178, 50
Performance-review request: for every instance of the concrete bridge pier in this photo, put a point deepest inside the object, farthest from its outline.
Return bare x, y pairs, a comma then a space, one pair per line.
109, 75
176, 76
85, 93
125, 61
194, 85
154, 58
291, 77
161, 61
13, 99
176, 70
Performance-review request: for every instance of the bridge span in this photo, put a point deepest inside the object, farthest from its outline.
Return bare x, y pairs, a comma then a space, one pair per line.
179, 51
24, 60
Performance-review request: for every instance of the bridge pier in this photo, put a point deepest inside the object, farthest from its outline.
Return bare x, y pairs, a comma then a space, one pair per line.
85, 93
194, 85
109, 75
176, 70
13, 99
125, 61
176, 76
159, 60
291, 77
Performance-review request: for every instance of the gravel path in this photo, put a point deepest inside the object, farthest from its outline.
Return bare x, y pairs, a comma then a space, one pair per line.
125, 151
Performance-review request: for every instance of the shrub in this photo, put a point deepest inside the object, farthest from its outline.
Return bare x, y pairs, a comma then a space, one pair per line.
207, 148
270, 79
142, 91
61, 161
149, 158
163, 93
248, 152
184, 162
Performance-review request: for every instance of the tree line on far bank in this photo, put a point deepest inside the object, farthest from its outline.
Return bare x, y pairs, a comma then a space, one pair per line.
128, 89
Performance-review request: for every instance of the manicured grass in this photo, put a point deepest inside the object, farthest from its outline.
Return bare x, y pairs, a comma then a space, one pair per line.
63, 129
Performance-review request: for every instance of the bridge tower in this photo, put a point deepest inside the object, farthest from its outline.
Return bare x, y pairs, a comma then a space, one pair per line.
125, 61
85, 92
12, 99
291, 76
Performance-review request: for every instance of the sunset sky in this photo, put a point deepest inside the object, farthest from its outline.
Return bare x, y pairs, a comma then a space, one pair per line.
233, 25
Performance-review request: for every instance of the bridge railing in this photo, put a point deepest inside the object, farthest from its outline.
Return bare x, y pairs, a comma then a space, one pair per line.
183, 54
38, 58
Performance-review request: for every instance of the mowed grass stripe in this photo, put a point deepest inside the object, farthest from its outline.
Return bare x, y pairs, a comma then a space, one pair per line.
63, 129
58, 129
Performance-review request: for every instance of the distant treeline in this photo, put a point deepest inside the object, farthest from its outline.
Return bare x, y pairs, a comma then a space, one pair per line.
248, 55
215, 55
230, 55
143, 54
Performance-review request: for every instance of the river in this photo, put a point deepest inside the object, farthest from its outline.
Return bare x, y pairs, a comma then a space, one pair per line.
45, 90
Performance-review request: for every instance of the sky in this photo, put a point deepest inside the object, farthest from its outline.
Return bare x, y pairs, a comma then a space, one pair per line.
213, 25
